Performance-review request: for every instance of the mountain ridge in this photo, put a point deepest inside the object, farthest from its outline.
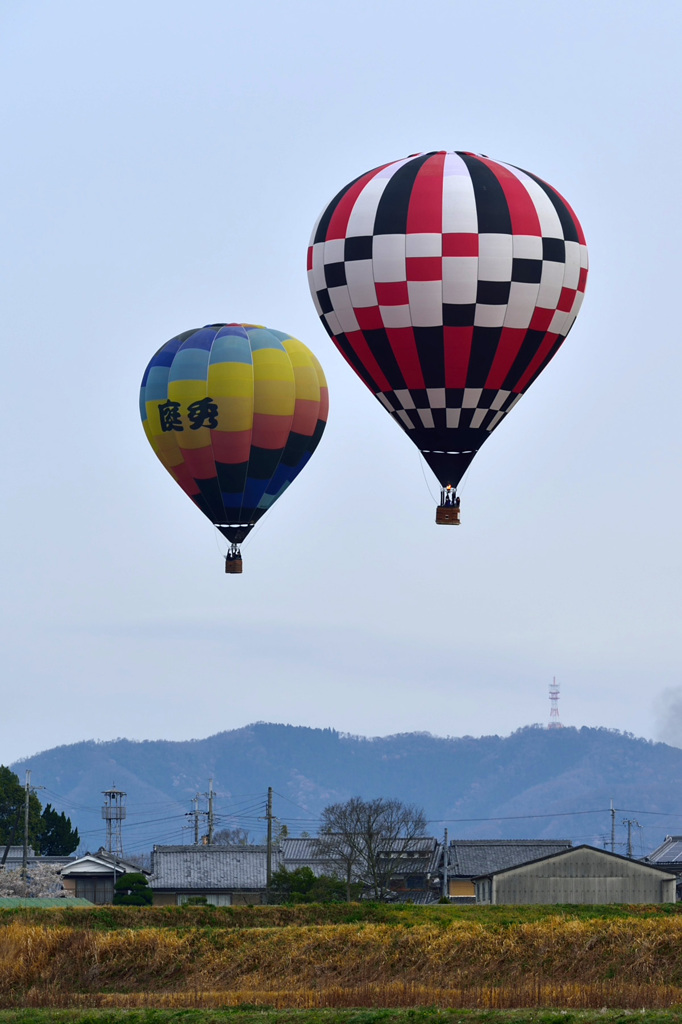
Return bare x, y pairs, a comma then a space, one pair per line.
534, 783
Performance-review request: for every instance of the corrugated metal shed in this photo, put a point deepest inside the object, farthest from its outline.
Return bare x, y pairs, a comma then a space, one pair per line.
180, 868
471, 857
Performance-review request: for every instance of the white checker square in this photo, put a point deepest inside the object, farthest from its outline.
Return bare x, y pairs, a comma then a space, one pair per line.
360, 281
436, 397
333, 323
494, 268
460, 279
452, 417
495, 420
405, 398
426, 416
388, 255
316, 301
557, 322
334, 250
347, 319
364, 212
319, 280
527, 247
584, 261
472, 396
384, 401
521, 304
517, 399
395, 316
489, 315
405, 419
499, 399
551, 283
550, 225
426, 303
424, 245
478, 417
459, 204
496, 246
572, 265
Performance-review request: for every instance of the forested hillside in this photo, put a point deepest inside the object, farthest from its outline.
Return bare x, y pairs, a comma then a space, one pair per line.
529, 784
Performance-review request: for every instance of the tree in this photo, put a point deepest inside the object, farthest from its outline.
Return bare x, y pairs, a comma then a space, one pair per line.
366, 838
41, 880
132, 890
12, 802
57, 838
302, 886
231, 837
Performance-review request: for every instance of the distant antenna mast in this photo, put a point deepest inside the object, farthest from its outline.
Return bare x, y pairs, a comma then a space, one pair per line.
113, 812
554, 722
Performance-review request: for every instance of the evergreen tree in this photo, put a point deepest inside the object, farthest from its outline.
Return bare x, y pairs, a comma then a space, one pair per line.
12, 802
57, 838
133, 890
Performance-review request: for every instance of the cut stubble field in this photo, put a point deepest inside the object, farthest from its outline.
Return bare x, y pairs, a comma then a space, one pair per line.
322, 959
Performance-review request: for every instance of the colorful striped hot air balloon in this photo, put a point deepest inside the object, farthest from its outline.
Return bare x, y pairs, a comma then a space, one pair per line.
448, 281
234, 412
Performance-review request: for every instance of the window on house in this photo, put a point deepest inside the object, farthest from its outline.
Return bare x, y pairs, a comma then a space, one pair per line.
97, 890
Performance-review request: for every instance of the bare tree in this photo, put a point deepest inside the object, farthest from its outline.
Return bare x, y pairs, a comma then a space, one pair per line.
367, 838
231, 837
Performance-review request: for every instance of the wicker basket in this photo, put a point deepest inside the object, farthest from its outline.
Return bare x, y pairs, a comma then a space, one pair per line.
233, 565
447, 515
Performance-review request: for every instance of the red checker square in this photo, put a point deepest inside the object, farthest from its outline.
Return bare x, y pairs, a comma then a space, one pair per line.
392, 293
424, 268
541, 320
369, 318
582, 280
460, 244
566, 300
310, 258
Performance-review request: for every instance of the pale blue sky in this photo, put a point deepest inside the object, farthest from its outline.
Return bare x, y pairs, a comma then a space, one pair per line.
163, 165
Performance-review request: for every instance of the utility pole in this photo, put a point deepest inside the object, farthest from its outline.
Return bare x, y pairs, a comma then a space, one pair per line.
24, 859
210, 812
446, 858
269, 851
630, 822
196, 814
613, 828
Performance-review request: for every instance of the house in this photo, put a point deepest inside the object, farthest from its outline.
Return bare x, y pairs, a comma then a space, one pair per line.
469, 858
410, 867
669, 856
224, 875
583, 874
93, 876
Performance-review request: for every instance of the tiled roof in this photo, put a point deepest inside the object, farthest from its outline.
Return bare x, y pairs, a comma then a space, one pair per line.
211, 867
670, 852
416, 857
471, 857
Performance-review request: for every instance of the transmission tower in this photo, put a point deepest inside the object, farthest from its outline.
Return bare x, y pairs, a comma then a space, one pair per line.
554, 722
113, 812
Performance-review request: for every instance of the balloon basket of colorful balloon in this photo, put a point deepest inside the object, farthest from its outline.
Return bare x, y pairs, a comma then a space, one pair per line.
233, 564
448, 515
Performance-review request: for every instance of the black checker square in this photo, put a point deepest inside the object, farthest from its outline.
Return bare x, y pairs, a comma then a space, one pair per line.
454, 397
459, 314
493, 293
358, 248
554, 250
419, 397
488, 396
326, 304
335, 274
527, 271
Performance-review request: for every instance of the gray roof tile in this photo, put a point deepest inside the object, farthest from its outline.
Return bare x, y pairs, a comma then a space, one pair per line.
211, 867
472, 857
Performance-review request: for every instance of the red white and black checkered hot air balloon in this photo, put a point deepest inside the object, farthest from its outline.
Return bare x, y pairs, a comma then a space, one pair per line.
448, 281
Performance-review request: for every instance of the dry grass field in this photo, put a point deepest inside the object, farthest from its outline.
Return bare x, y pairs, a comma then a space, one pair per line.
292, 958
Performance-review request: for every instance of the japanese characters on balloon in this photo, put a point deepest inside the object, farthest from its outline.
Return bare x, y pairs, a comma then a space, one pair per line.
234, 412
448, 281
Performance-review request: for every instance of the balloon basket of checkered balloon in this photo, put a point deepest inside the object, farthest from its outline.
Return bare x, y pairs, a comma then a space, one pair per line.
447, 515
233, 563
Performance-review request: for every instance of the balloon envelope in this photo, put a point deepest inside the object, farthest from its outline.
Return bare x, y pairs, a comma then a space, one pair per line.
234, 412
448, 281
